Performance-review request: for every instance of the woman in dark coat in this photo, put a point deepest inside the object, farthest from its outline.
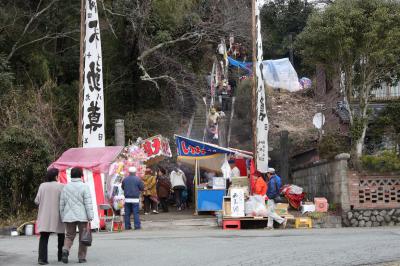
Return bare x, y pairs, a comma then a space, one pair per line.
163, 188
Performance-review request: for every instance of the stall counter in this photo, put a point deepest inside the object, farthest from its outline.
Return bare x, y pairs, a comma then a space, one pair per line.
210, 199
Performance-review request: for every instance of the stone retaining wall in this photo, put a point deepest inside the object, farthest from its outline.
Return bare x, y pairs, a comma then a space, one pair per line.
371, 218
325, 179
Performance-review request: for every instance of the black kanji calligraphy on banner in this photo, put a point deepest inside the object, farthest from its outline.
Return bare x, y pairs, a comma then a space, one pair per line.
93, 104
92, 4
93, 76
95, 35
94, 117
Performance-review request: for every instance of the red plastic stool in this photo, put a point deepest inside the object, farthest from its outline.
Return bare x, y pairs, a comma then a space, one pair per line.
231, 224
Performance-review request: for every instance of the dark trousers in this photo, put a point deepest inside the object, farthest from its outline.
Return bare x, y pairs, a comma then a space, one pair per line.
129, 209
178, 195
43, 243
164, 204
149, 204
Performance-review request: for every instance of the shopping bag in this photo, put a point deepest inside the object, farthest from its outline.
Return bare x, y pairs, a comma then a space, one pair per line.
86, 238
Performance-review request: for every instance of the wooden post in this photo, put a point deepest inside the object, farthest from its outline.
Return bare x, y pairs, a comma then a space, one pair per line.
81, 70
254, 94
284, 156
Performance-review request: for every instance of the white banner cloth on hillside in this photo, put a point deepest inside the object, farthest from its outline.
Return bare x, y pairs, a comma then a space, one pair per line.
280, 74
93, 100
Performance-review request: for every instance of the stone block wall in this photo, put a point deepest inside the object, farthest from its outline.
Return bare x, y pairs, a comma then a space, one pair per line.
371, 218
325, 179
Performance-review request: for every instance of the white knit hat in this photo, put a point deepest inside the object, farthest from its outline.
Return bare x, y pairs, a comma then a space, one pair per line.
132, 169
271, 170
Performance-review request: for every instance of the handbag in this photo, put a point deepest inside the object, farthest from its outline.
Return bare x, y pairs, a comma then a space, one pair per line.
86, 237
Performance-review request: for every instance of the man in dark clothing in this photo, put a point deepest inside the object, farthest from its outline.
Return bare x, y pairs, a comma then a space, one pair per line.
273, 193
132, 186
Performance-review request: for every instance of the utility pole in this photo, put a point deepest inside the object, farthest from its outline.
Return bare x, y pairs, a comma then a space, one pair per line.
81, 70
254, 94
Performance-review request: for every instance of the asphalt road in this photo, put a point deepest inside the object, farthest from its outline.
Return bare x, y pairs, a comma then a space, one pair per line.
347, 246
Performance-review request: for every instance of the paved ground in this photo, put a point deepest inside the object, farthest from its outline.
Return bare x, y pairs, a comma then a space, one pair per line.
347, 246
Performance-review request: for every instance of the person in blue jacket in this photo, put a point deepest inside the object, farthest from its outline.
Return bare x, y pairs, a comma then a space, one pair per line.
274, 185
132, 186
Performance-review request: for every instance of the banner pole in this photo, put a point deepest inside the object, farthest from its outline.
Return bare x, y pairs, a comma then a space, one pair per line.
81, 70
254, 85
195, 186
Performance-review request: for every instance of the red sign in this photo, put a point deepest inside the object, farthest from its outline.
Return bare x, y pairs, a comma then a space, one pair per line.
156, 146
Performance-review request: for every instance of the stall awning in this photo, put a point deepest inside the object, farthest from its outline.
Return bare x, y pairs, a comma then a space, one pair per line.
210, 157
194, 149
94, 159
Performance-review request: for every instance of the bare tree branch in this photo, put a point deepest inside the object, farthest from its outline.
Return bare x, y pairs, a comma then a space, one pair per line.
184, 37
46, 37
146, 76
37, 14
108, 21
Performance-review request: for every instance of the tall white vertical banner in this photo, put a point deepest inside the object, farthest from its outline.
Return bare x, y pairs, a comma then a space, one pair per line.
262, 119
93, 100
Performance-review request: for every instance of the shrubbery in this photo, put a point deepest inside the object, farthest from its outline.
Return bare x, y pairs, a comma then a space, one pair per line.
24, 158
388, 161
332, 145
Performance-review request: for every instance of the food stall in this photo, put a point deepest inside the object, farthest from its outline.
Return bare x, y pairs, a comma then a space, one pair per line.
208, 157
95, 163
142, 154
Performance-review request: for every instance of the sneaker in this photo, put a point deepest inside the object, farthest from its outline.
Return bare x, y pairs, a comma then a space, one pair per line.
146, 213
42, 262
155, 211
269, 228
64, 256
82, 260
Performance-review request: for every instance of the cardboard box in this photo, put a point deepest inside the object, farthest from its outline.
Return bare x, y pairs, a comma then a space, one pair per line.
307, 207
227, 206
242, 181
321, 204
282, 209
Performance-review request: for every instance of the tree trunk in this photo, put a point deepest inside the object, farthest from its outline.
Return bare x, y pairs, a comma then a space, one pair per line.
360, 142
363, 103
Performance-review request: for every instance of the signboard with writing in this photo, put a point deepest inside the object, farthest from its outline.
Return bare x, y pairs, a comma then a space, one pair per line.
237, 202
156, 146
93, 102
192, 148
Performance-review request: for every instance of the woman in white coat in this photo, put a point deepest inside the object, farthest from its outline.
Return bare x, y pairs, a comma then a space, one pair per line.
49, 220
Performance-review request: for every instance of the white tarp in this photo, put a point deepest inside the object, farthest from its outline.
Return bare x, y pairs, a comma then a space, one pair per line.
280, 74
93, 101
262, 119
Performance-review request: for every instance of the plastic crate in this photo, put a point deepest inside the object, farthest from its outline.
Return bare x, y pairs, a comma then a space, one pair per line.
231, 224
303, 222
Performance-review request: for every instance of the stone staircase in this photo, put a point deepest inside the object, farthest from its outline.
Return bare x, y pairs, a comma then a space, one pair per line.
199, 121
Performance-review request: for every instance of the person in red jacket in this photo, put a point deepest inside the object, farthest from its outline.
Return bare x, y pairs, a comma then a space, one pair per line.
260, 186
